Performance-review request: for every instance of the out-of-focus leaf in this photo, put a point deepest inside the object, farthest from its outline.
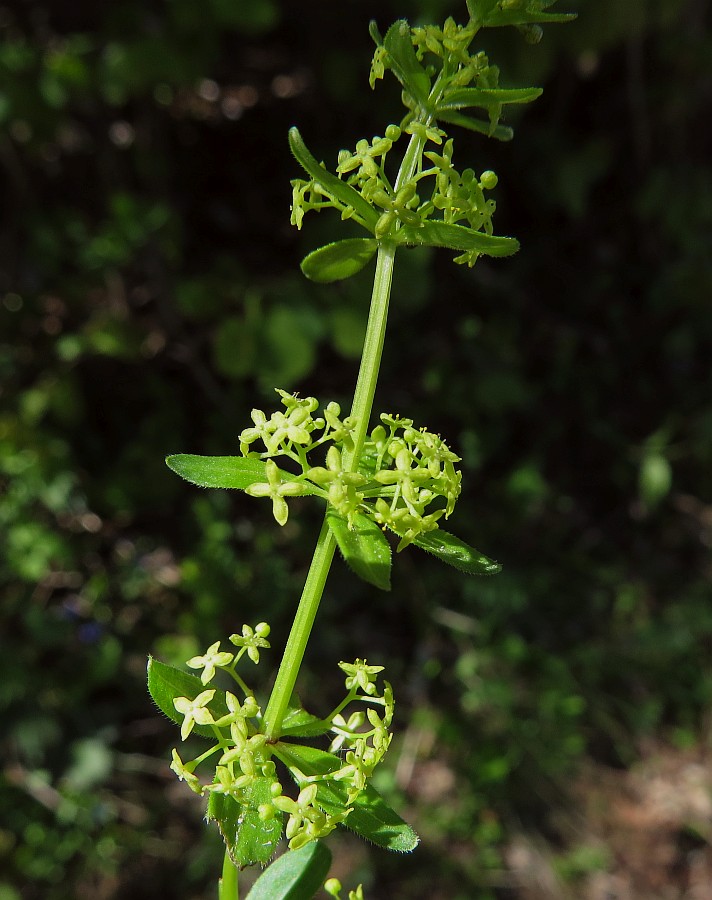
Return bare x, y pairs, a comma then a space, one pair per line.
654, 479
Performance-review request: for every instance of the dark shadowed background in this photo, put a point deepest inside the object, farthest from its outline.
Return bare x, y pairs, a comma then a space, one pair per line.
553, 722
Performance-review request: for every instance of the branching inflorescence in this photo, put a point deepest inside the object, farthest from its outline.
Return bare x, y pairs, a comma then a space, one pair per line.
404, 190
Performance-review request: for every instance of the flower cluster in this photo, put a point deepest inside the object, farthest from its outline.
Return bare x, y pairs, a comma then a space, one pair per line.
455, 197
364, 749
246, 757
406, 479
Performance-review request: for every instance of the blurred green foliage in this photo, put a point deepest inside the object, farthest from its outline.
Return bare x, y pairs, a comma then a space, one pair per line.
150, 296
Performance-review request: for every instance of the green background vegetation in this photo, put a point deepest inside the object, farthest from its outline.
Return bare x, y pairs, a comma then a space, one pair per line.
150, 297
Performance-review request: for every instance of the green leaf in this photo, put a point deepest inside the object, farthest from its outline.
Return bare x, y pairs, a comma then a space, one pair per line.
457, 553
165, 683
488, 14
371, 817
339, 189
339, 260
486, 98
457, 237
502, 17
248, 839
226, 471
299, 723
218, 471
498, 132
404, 63
654, 478
297, 875
364, 548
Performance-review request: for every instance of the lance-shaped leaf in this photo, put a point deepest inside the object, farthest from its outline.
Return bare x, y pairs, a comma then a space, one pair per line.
165, 683
248, 838
488, 13
218, 471
371, 817
296, 875
339, 260
457, 553
226, 471
457, 237
499, 132
338, 189
486, 98
364, 548
404, 63
500, 17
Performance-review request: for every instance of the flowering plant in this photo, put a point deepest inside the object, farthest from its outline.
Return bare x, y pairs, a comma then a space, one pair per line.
391, 477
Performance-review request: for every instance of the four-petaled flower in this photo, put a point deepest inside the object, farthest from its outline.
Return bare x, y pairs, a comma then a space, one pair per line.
213, 659
252, 640
195, 711
360, 675
276, 490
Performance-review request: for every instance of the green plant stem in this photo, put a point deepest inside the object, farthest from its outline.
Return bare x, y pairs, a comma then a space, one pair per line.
227, 885
299, 634
324, 552
372, 353
361, 411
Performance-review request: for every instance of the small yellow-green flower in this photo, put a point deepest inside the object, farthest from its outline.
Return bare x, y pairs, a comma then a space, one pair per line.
360, 675
213, 659
195, 712
252, 640
276, 490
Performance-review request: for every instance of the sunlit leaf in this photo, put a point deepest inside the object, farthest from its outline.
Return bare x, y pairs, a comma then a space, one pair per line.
364, 548
225, 471
297, 875
371, 817
248, 838
339, 260
299, 723
218, 471
165, 683
457, 553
